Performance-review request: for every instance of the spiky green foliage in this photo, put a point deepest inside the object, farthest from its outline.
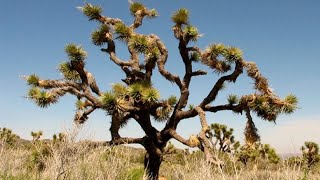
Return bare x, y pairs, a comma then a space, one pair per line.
269, 153
152, 13
135, 90
172, 100
290, 104
80, 105
195, 56
42, 98
256, 152
216, 49
75, 52
36, 135
92, 12
99, 37
221, 67
56, 139
119, 90
150, 95
68, 72
123, 31
139, 43
233, 99
233, 54
134, 7
33, 80
191, 106
191, 33
181, 16
7, 137
108, 100
163, 113
310, 153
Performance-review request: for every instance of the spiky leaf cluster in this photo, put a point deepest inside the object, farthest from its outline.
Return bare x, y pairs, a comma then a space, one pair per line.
80, 105
61, 137
41, 97
36, 135
92, 12
256, 152
123, 31
139, 43
75, 52
152, 13
195, 56
163, 113
172, 100
108, 100
215, 50
7, 136
150, 95
68, 72
181, 17
33, 80
119, 90
290, 104
233, 99
269, 153
310, 153
233, 54
99, 37
191, 33
135, 7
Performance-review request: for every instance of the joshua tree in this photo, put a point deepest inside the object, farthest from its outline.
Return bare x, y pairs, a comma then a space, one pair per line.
7, 136
310, 153
136, 99
224, 140
256, 151
36, 135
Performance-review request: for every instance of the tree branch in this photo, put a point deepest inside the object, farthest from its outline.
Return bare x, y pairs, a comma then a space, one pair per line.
217, 87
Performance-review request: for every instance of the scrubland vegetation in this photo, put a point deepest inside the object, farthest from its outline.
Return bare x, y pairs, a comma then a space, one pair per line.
67, 157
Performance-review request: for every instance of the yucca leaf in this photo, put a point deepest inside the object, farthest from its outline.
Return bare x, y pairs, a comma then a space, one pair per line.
135, 90
233, 99
75, 52
152, 13
181, 16
80, 105
108, 99
99, 37
191, 32
221, 67
33, 80
119, 90
139, 43
216, 50
195, 56
172, 100
92, 12
66, 70
150, 95
123, 31
233, 54
134, 7
290, 104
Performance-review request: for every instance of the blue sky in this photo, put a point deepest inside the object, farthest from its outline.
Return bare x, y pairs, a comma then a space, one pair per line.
282, 37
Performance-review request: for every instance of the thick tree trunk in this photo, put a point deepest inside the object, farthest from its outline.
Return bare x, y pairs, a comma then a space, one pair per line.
152, 166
